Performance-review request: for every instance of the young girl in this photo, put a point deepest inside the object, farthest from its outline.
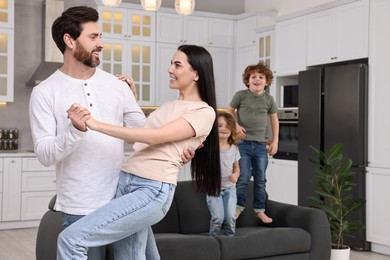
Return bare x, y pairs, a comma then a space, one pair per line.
254, 105
223, 207
148, 179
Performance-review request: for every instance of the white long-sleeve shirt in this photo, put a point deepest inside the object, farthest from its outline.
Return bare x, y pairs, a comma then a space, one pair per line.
87, 163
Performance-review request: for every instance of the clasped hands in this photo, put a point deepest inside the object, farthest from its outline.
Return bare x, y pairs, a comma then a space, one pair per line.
81, 117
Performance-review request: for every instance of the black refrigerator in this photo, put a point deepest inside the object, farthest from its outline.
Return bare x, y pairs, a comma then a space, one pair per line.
333, 109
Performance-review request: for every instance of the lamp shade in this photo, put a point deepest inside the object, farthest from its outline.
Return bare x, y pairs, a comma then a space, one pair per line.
184, 7
151, 5
112, 3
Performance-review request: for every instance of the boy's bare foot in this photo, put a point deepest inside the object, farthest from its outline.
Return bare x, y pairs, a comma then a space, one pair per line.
238, 213
263, 217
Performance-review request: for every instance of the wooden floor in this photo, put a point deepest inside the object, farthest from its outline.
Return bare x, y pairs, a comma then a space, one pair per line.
19, 244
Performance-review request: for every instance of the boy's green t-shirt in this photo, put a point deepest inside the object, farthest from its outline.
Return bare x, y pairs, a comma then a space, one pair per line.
252, 113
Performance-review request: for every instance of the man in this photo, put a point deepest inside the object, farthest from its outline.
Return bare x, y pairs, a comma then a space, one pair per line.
87, 162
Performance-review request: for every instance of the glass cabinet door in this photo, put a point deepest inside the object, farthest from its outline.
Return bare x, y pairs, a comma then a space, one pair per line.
114, 56
113, 22
6, 65
265, 48
124, 23
7, 13
140, 25
140, 63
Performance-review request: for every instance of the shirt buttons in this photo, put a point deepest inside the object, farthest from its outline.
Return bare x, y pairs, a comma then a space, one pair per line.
90, 105
85, 84
88, 94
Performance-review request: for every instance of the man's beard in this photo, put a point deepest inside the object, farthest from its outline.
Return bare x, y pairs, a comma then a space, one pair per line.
82, 55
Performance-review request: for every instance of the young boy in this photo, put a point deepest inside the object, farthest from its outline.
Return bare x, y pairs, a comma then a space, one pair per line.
254, 105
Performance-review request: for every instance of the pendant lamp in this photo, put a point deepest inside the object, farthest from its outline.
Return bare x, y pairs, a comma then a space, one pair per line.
112, 3
151, 5
184, 7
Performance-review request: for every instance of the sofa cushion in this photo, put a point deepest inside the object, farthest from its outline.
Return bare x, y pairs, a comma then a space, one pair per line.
191, 247
255, 242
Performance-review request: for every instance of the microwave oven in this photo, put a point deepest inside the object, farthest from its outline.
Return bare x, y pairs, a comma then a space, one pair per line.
289, 96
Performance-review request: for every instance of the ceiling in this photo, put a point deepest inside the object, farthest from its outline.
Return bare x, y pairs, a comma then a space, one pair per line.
233, 7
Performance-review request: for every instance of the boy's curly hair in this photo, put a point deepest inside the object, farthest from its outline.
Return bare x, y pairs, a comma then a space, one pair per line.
260, 68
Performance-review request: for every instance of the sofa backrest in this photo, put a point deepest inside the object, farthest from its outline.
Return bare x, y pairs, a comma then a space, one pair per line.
189, 213
194, 214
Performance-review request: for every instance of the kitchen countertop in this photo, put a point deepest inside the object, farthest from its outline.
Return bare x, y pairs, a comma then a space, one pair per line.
18, 153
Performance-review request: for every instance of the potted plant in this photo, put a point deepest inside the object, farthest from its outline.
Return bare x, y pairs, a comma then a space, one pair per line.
334, 182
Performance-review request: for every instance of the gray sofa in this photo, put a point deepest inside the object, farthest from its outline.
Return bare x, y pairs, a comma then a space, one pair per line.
297, 233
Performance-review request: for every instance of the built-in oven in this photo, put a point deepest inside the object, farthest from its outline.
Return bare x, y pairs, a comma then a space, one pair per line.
288, 134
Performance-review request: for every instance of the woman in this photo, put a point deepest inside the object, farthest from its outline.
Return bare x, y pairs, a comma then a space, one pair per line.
148, 179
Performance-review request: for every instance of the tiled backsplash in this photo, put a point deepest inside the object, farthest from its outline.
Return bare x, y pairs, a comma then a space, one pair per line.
9, 139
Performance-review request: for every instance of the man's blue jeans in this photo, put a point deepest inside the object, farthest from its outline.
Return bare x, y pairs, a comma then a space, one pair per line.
223, 212
253, 162
144, 203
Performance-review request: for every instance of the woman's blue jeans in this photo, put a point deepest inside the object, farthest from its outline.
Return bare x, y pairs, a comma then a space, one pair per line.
253, 162
223, 212
144, 203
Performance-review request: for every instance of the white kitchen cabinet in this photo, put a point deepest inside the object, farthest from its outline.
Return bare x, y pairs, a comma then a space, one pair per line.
129, 48
12, 177
244, 56
246, 31
223, 65
164, 55
265, 43
135, 59
378, 228
290, 46
7, 13
27, 188
204, 31
378, 175
173, 28
124, 23
282, 181
221, 32
338, 34
379, 91
7, 10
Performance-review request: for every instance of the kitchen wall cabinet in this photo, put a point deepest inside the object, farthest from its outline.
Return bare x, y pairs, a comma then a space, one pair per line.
282, 181
27, 188
215, 34
246, 31
129, 48
124, 23
338, 34
204, 31
378, 228
265, 41
290, 46
7, 50
260, 50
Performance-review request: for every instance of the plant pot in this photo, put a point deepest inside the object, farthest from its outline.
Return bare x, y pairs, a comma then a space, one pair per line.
340, 254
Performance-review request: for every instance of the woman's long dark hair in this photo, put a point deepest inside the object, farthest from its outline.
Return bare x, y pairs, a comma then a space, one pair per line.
205, 166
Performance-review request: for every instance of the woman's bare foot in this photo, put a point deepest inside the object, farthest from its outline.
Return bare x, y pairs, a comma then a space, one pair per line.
263, 217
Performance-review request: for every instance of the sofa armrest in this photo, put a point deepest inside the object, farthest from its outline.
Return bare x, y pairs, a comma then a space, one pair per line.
312, 220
